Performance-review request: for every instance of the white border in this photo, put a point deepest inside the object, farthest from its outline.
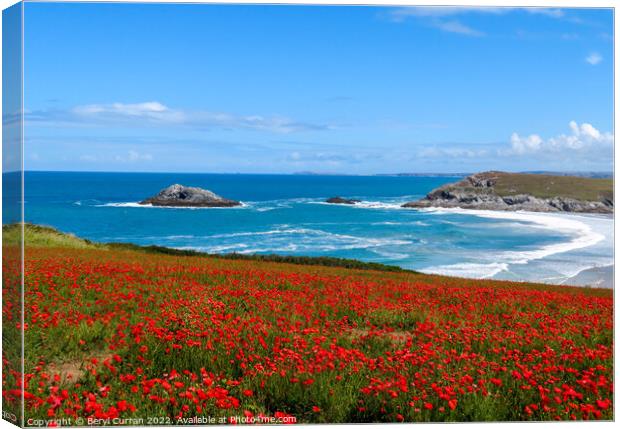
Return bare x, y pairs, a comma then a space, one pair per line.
544, 3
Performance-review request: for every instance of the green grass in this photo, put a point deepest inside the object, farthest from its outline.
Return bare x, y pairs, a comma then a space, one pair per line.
546, 186
45, 236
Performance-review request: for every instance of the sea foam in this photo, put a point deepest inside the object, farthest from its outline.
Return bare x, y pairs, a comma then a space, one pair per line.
579, 228
151, 206
292, 240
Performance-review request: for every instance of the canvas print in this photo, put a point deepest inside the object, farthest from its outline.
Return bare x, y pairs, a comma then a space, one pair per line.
273, 214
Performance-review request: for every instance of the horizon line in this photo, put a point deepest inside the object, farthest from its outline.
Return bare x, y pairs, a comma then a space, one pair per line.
317, 173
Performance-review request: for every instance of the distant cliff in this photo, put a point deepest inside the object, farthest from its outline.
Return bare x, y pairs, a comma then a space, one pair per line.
494, 190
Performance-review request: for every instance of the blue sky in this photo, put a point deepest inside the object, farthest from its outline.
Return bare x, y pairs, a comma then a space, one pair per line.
281, 89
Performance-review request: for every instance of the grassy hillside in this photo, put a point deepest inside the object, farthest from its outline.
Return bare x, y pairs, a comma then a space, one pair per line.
43, 236
546, 186
119, 332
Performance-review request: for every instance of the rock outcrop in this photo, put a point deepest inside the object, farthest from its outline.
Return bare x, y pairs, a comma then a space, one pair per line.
185, 196
479, 192
340, 200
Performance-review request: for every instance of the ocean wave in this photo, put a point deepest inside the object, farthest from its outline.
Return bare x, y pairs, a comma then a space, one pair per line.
395, 256
575, 231
593, 266
269, 232
389, 205
469, 270
388, 223
379, 205
87, 202
292, 240
175, 237
574, 225
593, 278
242, 248
560, 271
150, 206
130, 204
215, 249
578, 228
270, 207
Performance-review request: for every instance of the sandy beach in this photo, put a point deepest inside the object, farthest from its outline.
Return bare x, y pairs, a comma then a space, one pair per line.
602, 277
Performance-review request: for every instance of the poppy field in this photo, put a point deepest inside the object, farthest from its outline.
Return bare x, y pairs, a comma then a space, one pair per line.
128, 337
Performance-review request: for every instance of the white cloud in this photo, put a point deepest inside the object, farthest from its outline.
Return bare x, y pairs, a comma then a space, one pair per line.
552, 13
452, 152
319, 157
583, 145
133, 156
442, 11
311, 158
138, 109
156, 113
521, 145
457, 27
584, 140
594, 58
437, 16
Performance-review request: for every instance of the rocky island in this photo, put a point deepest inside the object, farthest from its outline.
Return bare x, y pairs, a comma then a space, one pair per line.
495, 190
340, 200
185, 196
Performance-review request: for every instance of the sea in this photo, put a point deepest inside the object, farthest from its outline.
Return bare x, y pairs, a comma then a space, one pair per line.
287, 215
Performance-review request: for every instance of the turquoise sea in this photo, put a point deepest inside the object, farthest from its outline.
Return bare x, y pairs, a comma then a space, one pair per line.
285, 214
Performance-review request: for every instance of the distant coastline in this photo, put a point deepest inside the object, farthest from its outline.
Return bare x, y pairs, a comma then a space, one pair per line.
586, 174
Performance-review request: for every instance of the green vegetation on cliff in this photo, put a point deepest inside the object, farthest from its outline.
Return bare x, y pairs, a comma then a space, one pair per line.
547, 186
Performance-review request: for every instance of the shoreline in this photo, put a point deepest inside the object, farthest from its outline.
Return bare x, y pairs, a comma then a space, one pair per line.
596, 277
581, 231
601, 276
582, 235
